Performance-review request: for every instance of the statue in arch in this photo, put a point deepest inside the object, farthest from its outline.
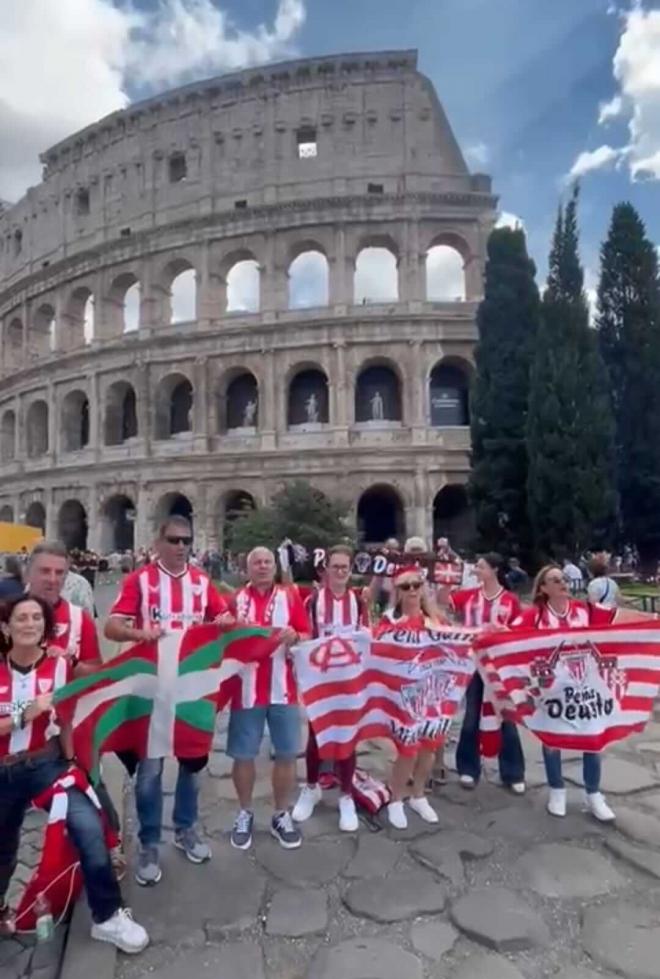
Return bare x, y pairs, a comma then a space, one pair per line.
250, 414
312, 408
377, 407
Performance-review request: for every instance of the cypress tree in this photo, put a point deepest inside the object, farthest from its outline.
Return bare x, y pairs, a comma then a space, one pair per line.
571, 497
629, 336
507, 321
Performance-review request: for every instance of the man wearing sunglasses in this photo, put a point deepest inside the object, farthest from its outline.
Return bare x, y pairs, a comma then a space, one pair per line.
164, 595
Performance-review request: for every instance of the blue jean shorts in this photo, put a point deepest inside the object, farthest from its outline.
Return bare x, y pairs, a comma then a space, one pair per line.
246, 731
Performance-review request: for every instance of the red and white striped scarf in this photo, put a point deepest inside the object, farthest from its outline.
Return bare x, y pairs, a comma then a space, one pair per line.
277, 610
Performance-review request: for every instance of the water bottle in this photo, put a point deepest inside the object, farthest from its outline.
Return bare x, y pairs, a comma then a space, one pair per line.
45, 926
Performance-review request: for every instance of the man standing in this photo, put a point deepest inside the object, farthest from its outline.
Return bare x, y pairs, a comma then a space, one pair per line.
163, 596
333, 609
266, 692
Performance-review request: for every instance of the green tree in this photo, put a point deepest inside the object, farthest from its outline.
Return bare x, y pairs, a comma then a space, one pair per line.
570, 431
297, 511
629, 335
507, 321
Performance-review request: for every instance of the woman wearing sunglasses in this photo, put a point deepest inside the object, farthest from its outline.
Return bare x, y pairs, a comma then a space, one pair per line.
413, 611
553, 608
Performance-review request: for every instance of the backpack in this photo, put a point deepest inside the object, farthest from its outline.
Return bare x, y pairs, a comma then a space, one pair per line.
369, 793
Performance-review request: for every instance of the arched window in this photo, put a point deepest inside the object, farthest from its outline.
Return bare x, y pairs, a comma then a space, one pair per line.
7, 514
72, 525
180, 285
123, 306
78, 327
453, 517
75, 421
174, 406
132, 300
36, 426
376, 278
14, 343
120, 414
8, 436
88, 319
308, 399
308, 280
117, 524
449, 396
380, 515
241, 403
378, 395
445, 274
42, 334
236, 503
173, 504
35, 516
243, 287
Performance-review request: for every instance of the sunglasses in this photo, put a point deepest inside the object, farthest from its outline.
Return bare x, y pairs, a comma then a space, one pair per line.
179, 540
411, 586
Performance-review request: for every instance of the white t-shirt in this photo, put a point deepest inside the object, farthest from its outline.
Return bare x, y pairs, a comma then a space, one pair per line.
603, 591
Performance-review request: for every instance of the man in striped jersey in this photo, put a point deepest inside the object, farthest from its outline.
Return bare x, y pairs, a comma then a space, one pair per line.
166, 594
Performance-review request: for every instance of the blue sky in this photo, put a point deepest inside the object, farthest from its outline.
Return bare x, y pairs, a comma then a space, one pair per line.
523, 82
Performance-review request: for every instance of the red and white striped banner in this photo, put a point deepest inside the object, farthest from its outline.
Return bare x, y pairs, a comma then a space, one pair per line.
406, 686
579, 689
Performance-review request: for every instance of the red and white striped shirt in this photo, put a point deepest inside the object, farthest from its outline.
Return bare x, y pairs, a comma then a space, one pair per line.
271, 681
330, 616
75, 633
153, 596
476, 610
18, 689
578, 615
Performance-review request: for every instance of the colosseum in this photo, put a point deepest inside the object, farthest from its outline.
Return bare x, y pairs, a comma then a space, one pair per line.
238, 283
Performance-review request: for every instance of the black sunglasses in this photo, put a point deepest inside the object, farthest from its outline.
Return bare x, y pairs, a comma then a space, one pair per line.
179, 540
411, 586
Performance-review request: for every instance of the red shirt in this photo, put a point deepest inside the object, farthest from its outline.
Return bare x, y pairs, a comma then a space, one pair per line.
18, 689
330, 616
578, 615
151, 595
271, 681
75, 633
476, 610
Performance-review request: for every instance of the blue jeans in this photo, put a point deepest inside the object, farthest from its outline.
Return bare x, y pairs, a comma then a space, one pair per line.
19, 784
591, 769
246, 731
149, 799
468, 757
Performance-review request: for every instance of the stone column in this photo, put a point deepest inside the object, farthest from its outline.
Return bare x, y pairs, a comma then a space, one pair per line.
273, 280
268, 403
340, 286
54, 427
341, 395
200, 404
412, 270
212, 291
143, 528
149, 305
143, 405
416, 381
25, 316
95, 417
200, 517
94, 524
51, 516
20, 439
418, 513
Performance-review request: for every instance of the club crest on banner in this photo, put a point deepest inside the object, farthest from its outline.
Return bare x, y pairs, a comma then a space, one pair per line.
424, 698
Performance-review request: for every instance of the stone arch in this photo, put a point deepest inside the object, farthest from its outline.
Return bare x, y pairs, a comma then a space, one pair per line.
13, 345
308, 402
238, 401
376, 276
179, 285
449, 393
75, 421
117, 524
380, 514
42, 333
36, 429
242, 275
174, 406
79, 320
7, 514
170, 504
233, 504
445, 274
35, 516
72, 525
121, 421
378, 394
123, 305
453, 516
8, 436
308, 277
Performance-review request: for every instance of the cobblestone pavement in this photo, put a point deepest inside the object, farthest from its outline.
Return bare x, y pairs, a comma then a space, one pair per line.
498, 889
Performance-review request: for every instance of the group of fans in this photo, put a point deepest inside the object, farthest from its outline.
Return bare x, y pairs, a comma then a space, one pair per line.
47, 639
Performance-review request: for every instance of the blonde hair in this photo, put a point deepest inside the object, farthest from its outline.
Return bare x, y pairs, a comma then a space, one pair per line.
538, 597
427, 603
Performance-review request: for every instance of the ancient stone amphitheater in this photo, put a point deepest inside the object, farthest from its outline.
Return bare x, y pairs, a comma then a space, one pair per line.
268, 275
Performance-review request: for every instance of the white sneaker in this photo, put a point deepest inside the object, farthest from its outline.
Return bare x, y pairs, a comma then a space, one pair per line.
599, 808
423, 808
466, 781
348, 817
518, 788
309, 796
397, 816
122, 931
557, 802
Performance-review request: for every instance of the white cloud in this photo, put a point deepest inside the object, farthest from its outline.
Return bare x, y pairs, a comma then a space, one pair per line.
509, 220
88, 52
376, 276
636, 69
477, 154
445, 275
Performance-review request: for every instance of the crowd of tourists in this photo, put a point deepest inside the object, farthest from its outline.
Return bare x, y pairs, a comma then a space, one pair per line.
48, 635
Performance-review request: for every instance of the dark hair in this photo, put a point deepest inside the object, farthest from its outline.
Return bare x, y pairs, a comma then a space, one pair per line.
176, 520
340, 549
496, 562
598, 567
55, 548
6, 611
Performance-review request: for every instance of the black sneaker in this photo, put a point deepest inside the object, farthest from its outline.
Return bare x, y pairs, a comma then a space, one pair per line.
241, 834
285, 831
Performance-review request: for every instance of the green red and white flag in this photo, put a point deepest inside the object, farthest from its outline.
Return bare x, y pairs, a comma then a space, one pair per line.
160, 700
578, 689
